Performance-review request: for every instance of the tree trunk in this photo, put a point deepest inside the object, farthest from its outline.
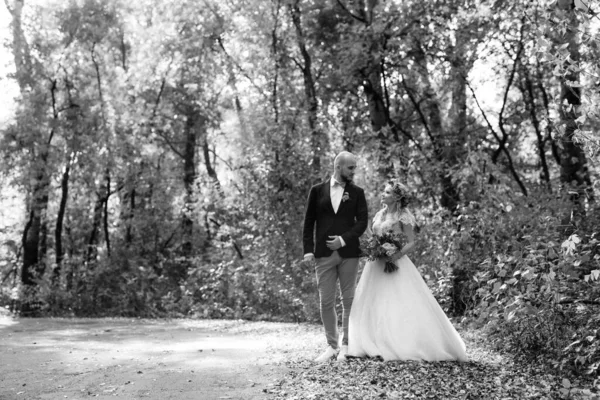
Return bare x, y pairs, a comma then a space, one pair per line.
458, 109
60, 219
378, 110
432, 119
457, 138
372, 79
318, 139
243, 125
92, 249
30, 239
277, 59
130, 215
528, 90
212, 174
546, 101
34, 241
573, 167
98, 217
20, 47
373, 72
105, 219
194, 123
34, 234
502, 141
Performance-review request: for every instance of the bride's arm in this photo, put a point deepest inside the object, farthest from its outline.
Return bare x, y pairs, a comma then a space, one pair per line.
410, 236
369, 230
408, 230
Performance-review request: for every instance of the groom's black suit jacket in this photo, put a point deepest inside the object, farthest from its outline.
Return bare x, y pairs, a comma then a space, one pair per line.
349, 222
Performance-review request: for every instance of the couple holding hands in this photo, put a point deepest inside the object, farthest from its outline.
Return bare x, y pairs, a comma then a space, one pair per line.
391, 315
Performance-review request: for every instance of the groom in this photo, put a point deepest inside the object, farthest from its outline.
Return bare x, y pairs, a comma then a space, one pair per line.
338, 210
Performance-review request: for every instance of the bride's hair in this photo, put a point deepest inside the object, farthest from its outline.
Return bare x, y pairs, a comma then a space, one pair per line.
401, 211
401, 193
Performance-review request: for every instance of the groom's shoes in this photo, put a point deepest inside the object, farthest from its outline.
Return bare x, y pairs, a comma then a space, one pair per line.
327, 355
342, 354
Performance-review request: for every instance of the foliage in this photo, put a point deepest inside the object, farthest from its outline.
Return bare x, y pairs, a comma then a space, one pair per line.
560, 19
522, 267
487, 375
530, 277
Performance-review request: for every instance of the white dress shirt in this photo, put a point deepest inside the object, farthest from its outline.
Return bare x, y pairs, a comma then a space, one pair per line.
336, 190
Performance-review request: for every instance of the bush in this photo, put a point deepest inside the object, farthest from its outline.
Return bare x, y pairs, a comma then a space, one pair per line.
534, 279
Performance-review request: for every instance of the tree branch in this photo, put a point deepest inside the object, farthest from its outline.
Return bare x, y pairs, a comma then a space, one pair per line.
242, 71
171, 236
11, 271
420, 112
502, 146
160, 133
546, 100
227, 163
489, 124
54, 110
528, 94
276, 58
9, 8
356, 17
511, 78
99, 81
158, 97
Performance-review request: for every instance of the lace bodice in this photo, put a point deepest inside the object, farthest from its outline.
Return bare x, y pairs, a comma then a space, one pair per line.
385, 222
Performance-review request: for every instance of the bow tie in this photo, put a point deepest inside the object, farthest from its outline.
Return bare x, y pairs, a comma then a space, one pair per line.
338, 183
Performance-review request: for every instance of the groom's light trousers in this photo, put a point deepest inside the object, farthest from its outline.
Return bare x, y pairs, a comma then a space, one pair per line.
329, 270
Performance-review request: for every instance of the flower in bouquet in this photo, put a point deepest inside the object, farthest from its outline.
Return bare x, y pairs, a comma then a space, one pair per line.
390, 248
382, 247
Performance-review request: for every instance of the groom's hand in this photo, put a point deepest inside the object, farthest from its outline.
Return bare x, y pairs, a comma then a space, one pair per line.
335, 243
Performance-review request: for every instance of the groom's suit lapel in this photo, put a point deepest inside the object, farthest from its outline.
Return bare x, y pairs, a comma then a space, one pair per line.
327, 195
347, 189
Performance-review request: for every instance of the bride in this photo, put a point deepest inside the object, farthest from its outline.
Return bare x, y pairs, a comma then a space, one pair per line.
394, 315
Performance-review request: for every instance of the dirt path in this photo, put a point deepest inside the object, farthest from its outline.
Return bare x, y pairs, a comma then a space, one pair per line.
141, 359
199, 359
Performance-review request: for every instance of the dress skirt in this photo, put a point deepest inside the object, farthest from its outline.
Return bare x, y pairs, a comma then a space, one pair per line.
395, 316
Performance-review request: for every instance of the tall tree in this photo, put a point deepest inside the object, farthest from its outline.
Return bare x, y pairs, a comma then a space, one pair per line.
574, 166
38, 145
318, 138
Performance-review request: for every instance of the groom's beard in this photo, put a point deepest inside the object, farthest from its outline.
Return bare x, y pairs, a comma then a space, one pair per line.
346, 179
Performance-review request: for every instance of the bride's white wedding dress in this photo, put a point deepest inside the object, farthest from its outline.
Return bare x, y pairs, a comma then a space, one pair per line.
395, 316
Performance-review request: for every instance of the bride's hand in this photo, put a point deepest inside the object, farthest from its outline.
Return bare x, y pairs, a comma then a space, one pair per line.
397, 256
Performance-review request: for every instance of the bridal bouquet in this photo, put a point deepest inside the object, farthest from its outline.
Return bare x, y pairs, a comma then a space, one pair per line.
382, 247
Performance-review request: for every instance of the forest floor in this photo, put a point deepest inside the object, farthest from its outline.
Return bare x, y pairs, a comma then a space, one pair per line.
51, 358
